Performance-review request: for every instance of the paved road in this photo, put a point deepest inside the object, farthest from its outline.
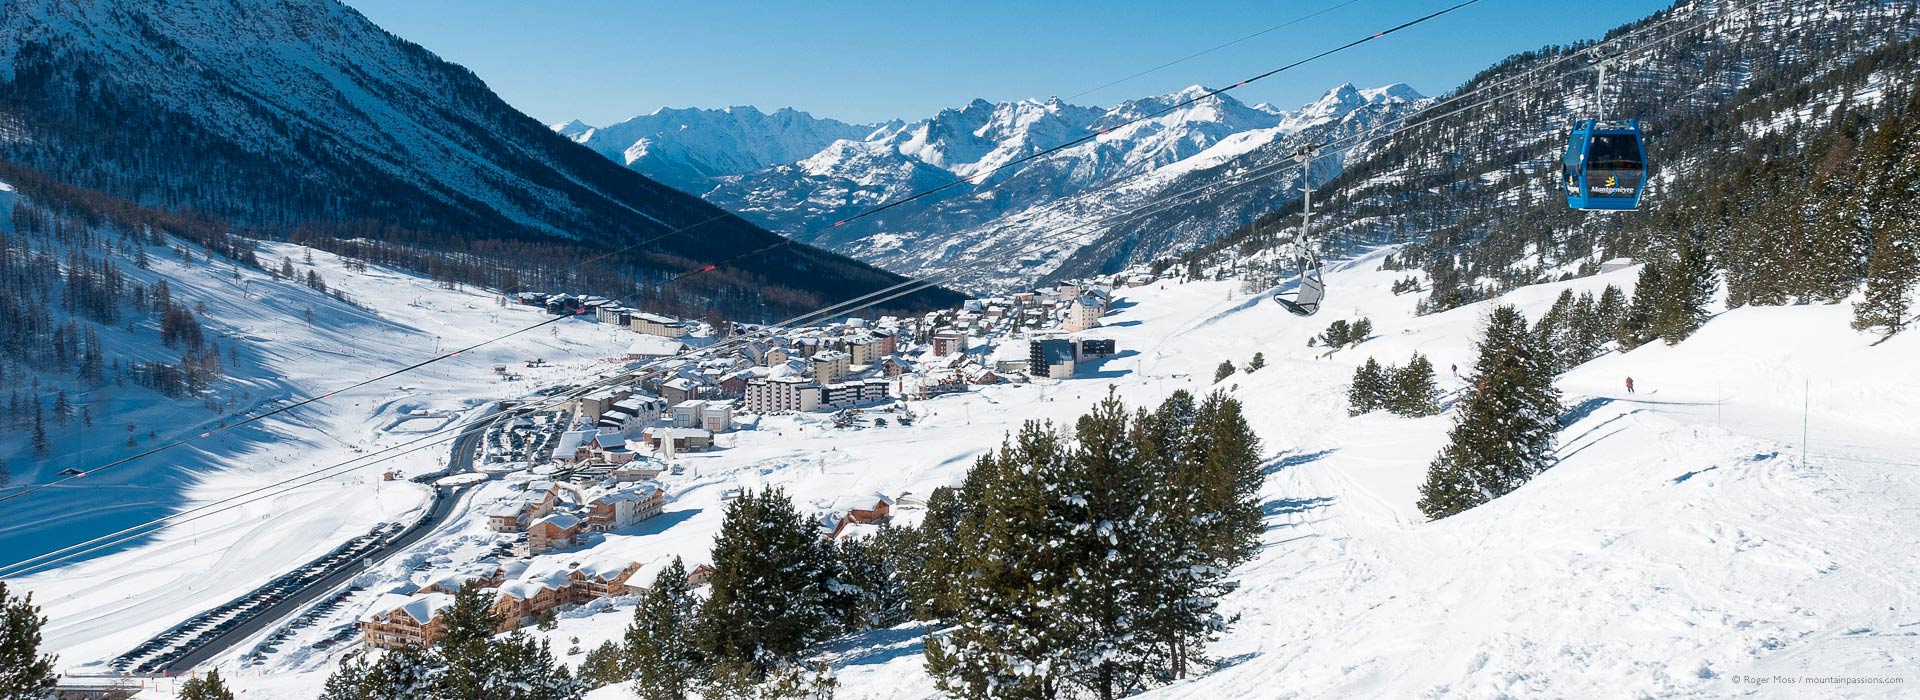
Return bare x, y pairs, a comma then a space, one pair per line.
444, 501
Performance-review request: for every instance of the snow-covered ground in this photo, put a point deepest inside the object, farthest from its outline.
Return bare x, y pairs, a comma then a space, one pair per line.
1680, 547
104, 605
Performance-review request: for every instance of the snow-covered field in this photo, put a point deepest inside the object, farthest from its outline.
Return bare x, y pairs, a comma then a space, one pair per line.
104, 605
1681, 547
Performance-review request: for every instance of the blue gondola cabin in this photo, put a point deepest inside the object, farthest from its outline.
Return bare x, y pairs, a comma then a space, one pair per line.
1605, 167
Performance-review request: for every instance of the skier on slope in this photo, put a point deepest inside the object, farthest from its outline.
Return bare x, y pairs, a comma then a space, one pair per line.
1629, 385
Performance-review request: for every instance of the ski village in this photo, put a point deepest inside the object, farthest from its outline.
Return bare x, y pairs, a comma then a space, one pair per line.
332, 368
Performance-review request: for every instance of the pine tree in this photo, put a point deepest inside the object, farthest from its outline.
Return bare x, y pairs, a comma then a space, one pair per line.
1360, 331
1682, 309
1259, 360
1192, 581
659, 644
524, 669
42, 446
463, 650
1893, 265
1554, 332
1586, 332
768, 600
870, 574
1368, 391
62, 408
1837, 243
398, 674
24, 673
1891, 274
1636, 325
1414, 391
1097, 564
1504, 433
604, 665
1609, 312
1006, 643
1337, 335
1227, 454
1115, 559
1221, 373
208, 687
933, 586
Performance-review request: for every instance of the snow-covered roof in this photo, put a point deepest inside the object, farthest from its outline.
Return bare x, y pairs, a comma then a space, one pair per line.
569, 442
637, 493
564, 521
857, 530
604, 568
655, 346
419, 606
510, 508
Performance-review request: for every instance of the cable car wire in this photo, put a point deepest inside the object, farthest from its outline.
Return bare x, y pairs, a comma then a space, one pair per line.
910, 286
1043, 153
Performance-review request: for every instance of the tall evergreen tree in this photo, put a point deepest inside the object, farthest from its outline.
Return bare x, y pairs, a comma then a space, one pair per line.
1116, 561
25, 674
42, 446
1682, 306
1554, 332
1636, 326
1360, 331
659, 643
1504, 433
1893, 265
1891, 275
1610, 311
1414, 391
872, 579
769, 597
1006, 642
1368, 392
1226, 453
463, 651
933, 586
1837, 242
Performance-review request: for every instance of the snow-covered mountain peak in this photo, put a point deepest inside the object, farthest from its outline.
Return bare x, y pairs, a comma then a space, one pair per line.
1397, 92
572, 128
689, 147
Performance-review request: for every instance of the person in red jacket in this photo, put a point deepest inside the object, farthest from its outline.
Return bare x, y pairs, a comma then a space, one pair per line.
1629, 385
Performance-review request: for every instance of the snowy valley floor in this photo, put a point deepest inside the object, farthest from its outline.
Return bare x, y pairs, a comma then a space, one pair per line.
1680, 546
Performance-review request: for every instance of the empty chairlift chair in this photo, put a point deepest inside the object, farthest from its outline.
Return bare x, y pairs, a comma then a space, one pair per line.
1310, 288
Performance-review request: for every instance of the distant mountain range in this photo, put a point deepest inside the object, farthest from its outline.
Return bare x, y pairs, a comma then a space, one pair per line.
303, 118
797, 174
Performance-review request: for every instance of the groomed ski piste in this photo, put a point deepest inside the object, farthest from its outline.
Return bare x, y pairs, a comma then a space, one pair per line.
1681, 547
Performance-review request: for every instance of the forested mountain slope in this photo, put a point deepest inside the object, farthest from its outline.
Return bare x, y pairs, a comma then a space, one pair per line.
1782, 141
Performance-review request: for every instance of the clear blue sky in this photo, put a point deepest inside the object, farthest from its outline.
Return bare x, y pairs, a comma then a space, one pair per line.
859, 60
